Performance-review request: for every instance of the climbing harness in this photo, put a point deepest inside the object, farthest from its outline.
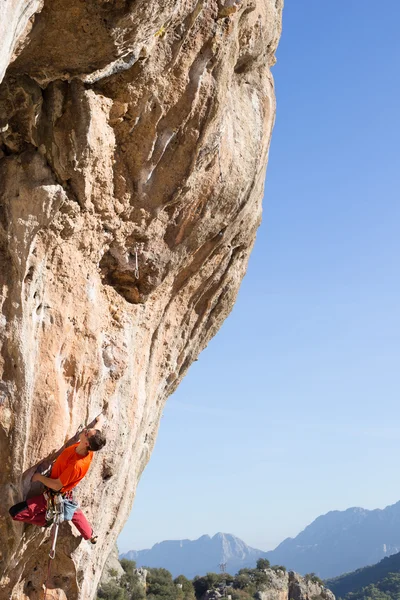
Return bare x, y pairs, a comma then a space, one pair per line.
60, 506
55, 506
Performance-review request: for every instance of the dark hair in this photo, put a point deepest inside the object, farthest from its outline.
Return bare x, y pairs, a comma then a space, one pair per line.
97, 440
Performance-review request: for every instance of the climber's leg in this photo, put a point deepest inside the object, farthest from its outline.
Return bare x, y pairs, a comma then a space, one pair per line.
82, 524
32, 511
17, 508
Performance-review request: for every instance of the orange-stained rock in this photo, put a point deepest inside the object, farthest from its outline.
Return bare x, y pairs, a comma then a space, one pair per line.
130, 130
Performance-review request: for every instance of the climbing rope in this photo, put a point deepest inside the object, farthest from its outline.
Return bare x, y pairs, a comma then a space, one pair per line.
47, 579
52, 555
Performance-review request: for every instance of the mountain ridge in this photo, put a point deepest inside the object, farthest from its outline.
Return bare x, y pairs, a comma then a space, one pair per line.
334, 543
357, 581
342, 541
210, 551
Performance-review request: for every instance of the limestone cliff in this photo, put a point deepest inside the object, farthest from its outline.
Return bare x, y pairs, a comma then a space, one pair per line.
134, 137
291, 586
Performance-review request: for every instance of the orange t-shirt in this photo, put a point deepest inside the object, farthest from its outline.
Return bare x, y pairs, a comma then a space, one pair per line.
70, 467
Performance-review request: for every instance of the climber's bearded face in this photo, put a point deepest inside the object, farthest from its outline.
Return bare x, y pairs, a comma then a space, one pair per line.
86, 435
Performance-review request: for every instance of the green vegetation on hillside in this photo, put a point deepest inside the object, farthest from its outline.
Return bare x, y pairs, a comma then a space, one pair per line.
378, 582
127, 587
161, 586
243, 586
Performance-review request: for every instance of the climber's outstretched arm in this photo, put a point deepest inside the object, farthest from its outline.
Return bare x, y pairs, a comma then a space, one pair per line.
54, 484
99, 421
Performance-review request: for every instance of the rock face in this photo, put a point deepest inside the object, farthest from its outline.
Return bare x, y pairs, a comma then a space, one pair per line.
277, 588
134, 137
283, 585
306, 588
16, 18
112, 567
291, 586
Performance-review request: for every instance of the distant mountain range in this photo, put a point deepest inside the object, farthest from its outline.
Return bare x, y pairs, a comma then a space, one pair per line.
335, 543
341, 541
198, 557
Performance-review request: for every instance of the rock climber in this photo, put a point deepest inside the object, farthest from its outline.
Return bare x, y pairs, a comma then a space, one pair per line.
67, 471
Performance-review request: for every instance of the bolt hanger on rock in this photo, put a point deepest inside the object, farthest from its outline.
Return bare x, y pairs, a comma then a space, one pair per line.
137, 249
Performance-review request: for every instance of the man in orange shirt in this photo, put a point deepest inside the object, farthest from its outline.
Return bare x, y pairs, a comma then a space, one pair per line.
67, 471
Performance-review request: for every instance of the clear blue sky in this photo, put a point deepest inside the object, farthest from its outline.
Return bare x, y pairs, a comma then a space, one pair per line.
293, 409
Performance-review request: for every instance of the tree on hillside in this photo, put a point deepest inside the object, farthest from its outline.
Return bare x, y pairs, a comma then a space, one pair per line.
239, 594
206, 582
112, 591
251, 580
243, 581
128, 565
371, 592
160, 585
263, 564
187, 590
130, 581
313, 578
278, 568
